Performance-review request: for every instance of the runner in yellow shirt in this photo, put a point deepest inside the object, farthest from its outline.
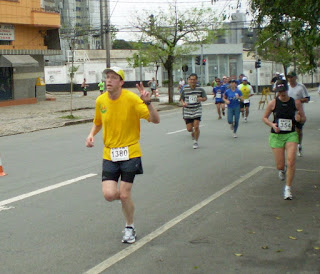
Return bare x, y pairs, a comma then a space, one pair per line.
247, 92
118, 113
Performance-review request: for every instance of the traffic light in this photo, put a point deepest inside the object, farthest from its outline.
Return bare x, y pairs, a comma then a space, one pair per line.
198, 58
185, 68
258, 64
204, 62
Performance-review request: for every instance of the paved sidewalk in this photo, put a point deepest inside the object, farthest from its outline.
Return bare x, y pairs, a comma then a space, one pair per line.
48, 114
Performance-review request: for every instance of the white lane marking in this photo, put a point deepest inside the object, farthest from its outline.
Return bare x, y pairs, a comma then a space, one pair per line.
137, 245
180, 130
45, 189
2, 208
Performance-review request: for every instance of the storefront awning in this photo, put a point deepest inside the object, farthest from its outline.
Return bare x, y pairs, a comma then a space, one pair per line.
18, 61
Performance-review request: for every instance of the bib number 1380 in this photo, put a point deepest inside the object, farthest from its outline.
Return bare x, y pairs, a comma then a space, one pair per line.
119, 154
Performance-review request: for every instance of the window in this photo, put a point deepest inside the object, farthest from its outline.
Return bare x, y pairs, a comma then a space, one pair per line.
5, 42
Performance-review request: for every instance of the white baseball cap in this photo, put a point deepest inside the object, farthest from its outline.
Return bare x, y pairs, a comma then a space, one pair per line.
116, 70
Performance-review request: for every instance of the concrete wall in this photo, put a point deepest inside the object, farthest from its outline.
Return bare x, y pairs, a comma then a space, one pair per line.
25, 78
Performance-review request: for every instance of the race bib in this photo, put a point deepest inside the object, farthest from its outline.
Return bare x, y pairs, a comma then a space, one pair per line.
218, 95
285, 124
119, 154
193, 99
246, 101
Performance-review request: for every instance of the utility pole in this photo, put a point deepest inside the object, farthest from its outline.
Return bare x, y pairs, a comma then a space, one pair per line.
201, 65
71, 74
102, 33
257, 70
140, 66
108, 34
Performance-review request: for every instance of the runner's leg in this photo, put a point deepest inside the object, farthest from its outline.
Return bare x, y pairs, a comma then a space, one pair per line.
279, 157
126, 201
110, 190
218, 109
291, 149
196, 125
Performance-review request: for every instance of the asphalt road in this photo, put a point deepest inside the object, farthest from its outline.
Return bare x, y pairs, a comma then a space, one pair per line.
218, 209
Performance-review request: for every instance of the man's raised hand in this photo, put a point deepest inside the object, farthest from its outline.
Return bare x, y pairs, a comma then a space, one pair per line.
144, 95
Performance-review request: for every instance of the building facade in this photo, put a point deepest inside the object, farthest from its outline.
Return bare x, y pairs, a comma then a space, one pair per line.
28, 31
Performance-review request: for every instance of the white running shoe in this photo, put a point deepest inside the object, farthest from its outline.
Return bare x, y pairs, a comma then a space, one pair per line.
282, 174
235, 135
287, 195
129, 236
299, 150
195, 145
245, 119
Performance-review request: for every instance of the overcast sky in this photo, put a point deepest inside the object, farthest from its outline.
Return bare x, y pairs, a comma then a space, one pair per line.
121, 11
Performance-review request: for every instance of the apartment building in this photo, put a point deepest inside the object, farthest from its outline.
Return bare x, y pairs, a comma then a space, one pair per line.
28, 32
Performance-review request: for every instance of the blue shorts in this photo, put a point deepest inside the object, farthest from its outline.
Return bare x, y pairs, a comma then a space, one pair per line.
126, 169
219, 102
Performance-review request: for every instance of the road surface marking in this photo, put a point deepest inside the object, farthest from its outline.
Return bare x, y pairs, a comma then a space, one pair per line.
2, 208
137, 245
180, 130
45, 189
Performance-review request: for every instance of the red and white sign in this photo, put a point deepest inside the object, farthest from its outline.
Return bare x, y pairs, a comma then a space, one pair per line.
6, 32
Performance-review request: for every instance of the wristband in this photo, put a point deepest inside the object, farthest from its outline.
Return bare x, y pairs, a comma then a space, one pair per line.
147, 103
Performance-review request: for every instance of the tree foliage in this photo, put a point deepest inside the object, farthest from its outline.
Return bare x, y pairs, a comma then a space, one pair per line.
295, 21
275, 47
121, 44
170, 34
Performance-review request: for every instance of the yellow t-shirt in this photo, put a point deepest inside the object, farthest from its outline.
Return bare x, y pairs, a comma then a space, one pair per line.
246, 90
120, 120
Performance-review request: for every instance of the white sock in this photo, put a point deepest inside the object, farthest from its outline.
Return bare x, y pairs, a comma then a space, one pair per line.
288, 188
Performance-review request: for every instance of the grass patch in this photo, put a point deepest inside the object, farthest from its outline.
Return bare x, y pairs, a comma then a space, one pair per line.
70, 117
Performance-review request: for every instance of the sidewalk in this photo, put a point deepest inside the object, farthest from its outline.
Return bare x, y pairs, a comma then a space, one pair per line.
47, 114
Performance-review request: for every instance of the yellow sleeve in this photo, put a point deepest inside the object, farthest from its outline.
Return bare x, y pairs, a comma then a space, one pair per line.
97, 117
142, 109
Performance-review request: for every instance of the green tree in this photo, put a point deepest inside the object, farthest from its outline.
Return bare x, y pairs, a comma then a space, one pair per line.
121, 44
274, 47
296, 20
147, 56
171, 34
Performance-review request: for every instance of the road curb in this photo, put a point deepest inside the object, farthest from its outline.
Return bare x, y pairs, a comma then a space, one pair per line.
82, 121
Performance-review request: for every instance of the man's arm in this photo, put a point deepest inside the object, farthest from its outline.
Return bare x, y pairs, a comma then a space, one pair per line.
300, 117
305, 95
251, 91
145, 97
90, 139
203, 97
153, 114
